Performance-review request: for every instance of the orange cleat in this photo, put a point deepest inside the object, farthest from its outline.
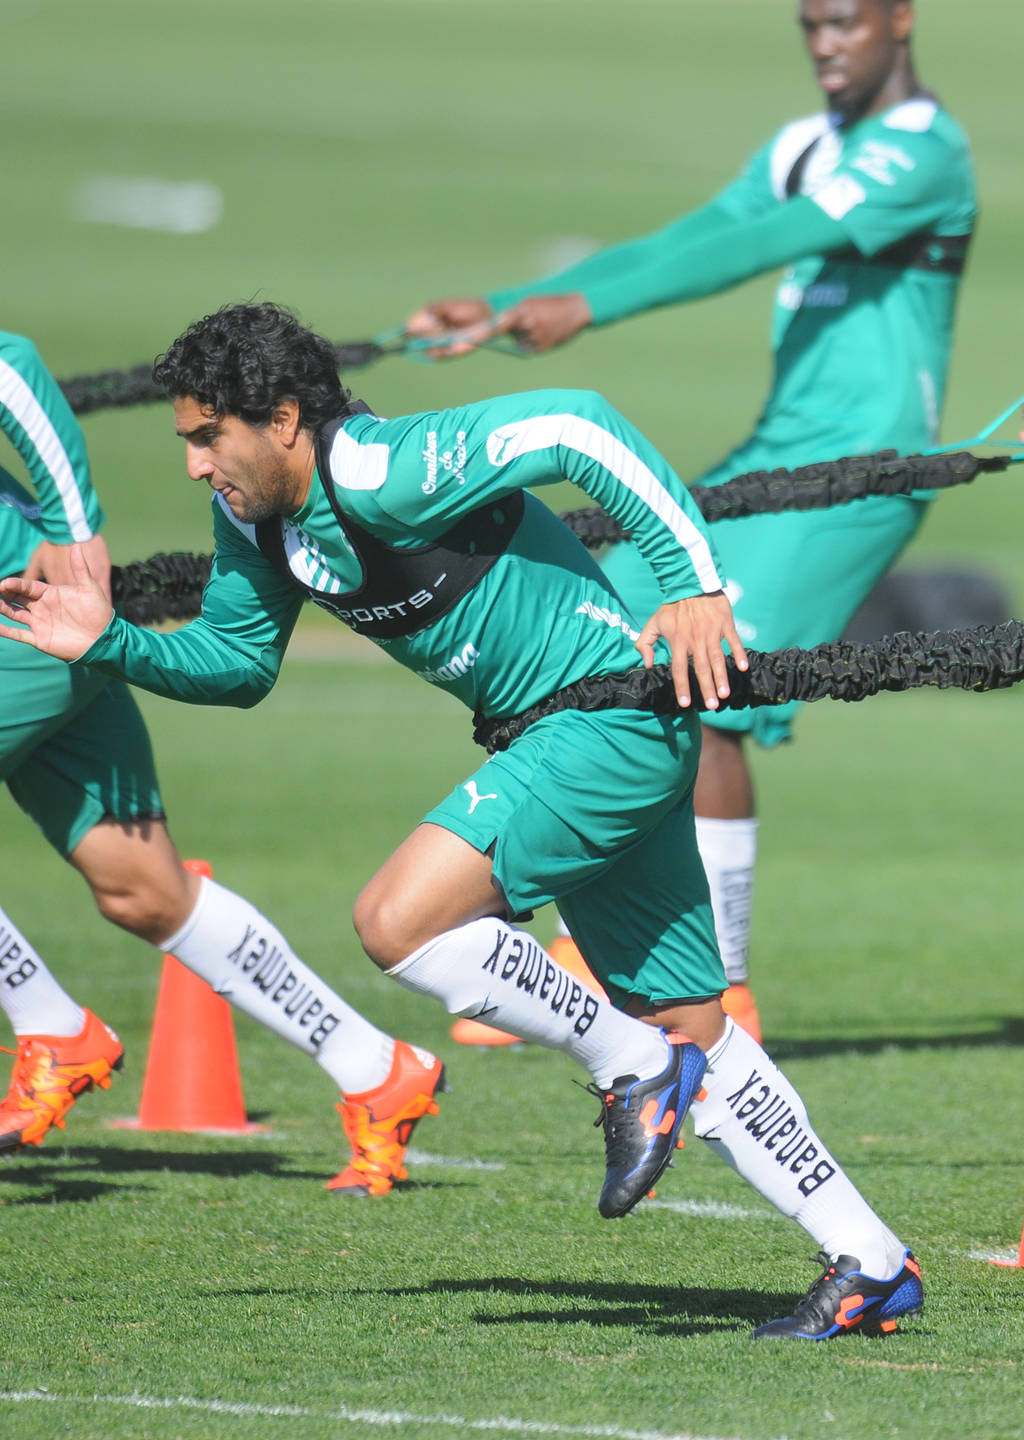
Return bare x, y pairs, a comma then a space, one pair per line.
739, 1002
379, 1123
50, 1073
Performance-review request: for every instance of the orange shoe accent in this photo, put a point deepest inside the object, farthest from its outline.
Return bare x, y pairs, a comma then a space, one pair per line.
738, 1002
888, 1326
379, 1123
843, 1316
475, 1032
647, 1115
565, 952
50, 1073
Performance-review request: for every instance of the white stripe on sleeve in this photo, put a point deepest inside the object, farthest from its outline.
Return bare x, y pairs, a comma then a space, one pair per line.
18, 398
544, 432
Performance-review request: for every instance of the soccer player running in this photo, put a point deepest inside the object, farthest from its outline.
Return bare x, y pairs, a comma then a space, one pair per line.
75, 755
477, 587
870, 206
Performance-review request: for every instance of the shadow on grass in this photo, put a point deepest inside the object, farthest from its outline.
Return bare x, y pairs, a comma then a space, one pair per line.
1008, 1031
69, 1186
651, 1309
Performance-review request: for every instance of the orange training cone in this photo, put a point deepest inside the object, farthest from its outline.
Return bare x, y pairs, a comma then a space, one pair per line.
1017, 1264
192, 1078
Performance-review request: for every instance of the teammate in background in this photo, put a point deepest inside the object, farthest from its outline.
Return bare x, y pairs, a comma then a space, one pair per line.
870, 205
449, 570
76, 757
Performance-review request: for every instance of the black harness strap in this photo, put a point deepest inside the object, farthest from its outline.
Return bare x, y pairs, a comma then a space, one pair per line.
990, 657
404, 589
938, 254
924, 250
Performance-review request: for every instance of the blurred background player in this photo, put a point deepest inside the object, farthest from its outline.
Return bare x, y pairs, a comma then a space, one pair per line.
870, 205
76, 757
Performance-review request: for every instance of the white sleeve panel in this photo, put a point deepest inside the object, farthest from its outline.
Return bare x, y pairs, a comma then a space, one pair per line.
17, 397
355, 466
790, 144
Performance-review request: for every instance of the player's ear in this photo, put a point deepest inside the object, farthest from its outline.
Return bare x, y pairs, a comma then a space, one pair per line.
286, 420
902, 19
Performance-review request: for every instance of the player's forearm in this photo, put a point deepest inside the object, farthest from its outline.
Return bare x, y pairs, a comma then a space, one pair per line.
689, 269
195, 664
635, 484
616, 263
39, 423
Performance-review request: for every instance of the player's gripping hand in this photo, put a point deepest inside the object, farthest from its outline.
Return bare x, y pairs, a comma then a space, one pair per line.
60, 620
695, 629
470, 320
540, 322
52, 562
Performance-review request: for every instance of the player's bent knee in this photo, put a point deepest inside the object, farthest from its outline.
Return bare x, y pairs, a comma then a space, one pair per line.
381, 928
142, 912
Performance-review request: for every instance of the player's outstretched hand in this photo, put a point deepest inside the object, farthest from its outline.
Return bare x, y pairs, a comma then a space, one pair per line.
61, 620
468, 319
695, 629
540, 322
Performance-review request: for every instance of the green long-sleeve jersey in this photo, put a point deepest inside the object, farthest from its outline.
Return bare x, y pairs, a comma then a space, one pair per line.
872, 221
36, 418
541, 617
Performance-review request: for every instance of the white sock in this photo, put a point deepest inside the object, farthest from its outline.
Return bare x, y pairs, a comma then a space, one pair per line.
491, 972
728, 849
29, 995
236, 950
754, 1119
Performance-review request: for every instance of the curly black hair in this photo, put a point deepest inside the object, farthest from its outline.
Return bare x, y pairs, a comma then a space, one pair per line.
244, 359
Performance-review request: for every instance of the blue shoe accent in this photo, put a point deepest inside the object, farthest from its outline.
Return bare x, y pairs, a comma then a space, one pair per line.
641, 1120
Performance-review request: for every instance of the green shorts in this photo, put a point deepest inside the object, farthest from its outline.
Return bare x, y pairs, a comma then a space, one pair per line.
793, 579
73, 747
595, 811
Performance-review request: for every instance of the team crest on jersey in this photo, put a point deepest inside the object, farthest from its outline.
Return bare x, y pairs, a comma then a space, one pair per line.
451, 461
878, 162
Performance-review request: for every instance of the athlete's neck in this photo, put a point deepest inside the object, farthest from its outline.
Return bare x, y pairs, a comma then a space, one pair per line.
300, 473
900, 85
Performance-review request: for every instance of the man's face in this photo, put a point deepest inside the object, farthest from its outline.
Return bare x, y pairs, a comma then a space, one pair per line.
244, 463
856, 46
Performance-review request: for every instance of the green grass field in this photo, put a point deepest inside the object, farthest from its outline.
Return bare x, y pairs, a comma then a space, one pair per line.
373, 154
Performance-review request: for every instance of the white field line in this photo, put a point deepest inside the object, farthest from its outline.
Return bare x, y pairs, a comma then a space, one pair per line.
708, 1210
450, 1162
148, 202
996, 1257
702, 1209
392, 1418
